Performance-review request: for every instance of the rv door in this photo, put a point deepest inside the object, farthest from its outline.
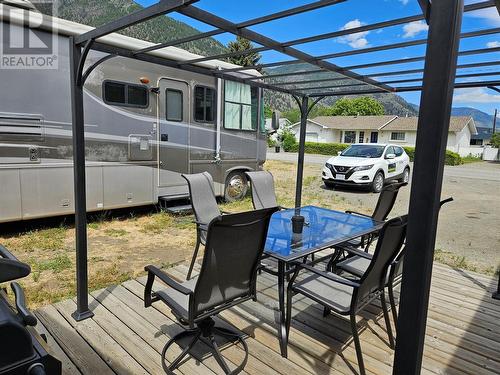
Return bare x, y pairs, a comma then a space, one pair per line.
173, 131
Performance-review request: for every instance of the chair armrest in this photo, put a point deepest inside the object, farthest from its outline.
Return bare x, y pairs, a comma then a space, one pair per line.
156, 272
357, 213
326, 275
225, 213
20, 300
354, 251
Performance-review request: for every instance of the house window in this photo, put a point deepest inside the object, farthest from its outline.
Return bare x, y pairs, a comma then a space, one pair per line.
311, 137
476, 142
125, 94
240, 106
397, 136
173, 105
349, 137
204, 104
361, 137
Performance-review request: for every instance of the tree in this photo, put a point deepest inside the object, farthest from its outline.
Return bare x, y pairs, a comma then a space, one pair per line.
242, 44
362, 106
495, 140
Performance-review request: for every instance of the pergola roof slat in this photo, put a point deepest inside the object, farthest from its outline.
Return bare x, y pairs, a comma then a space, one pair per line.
361, 51
162, 7
270, 17
228, 26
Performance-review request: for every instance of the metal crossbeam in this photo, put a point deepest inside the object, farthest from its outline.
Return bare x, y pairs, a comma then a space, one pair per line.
252, 22
361, 51
228, 26
461, 85
471, 75
163, 7
336, 34
118, 51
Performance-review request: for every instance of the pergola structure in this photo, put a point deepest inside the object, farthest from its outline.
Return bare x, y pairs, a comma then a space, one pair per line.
437, 83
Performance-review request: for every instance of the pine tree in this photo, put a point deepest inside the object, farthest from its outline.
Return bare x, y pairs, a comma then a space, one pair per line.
242, 44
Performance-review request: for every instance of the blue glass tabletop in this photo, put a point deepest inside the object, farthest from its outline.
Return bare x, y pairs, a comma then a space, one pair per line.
323, 228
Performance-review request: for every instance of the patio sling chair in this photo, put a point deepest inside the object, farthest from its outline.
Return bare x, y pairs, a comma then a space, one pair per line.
360, 261
234, 245
205, 208
263, 193
347, 297
385, 203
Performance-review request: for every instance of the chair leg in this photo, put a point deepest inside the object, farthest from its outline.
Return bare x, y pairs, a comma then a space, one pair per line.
195, 255
217, 354
392, 300
357, 344
387, 320
288, 317
175, 363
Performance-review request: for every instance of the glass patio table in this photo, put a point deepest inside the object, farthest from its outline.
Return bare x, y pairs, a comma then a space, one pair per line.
323, 229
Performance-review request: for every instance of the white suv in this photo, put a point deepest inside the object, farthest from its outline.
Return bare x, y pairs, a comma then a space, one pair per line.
367, 164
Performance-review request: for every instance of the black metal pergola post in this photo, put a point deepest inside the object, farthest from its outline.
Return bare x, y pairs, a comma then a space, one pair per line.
434, 119
77, 110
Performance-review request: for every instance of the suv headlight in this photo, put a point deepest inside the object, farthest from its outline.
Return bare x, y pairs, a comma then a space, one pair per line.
363, 168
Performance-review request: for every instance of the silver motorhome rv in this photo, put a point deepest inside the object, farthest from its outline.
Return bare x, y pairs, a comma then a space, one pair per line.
145, 124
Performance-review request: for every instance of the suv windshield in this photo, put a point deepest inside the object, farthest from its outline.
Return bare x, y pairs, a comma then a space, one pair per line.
363, 151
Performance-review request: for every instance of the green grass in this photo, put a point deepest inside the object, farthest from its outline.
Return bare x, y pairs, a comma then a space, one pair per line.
159, 221
39, 239
471, 159
57, 264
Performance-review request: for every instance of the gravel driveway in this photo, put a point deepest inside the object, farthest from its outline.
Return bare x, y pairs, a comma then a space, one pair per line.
469, 227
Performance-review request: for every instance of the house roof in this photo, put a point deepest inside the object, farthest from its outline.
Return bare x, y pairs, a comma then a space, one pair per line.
353, 122
386, 122
457, 123
483, 133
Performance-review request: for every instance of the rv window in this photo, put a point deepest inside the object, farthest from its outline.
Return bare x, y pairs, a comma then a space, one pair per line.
125, 94
174, 105
239, 111
114, 92
204, 104
137, 96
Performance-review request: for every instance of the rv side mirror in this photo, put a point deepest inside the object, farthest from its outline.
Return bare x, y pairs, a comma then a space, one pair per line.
275, 122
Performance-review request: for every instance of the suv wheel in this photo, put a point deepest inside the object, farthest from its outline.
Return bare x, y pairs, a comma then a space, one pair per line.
329, 185
236, 187
378, 182
406, 175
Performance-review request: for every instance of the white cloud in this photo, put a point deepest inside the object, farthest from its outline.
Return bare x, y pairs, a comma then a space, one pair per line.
357, 40
479, 95
490, 15
413, 28
493, 44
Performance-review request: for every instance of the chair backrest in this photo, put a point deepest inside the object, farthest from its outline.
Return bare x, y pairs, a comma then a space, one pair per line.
386, 201
391, 239
263, 194
397, 267
234, 247
201, 190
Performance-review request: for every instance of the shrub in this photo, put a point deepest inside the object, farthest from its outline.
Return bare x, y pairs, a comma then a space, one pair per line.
321, 148
288, 140
451, 158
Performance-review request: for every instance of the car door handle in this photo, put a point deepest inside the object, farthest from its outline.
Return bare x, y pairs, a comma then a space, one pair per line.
164, 138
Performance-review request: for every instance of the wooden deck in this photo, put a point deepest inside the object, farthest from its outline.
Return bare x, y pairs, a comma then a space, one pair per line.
463, 333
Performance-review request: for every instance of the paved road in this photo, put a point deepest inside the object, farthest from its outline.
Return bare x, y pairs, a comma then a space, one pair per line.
486, 171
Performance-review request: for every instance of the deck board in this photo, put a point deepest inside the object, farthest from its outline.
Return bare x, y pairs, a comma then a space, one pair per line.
463, 332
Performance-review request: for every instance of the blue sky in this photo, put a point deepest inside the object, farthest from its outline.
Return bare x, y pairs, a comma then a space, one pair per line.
353, 13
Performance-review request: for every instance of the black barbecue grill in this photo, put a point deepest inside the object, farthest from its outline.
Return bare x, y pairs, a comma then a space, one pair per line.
22, 350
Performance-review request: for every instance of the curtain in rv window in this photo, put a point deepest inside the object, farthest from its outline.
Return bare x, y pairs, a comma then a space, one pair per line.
239, 111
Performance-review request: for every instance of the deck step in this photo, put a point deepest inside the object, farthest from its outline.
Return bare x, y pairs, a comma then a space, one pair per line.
176, 204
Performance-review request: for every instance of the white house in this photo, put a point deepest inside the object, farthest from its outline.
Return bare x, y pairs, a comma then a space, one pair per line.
383, 129
283, 123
